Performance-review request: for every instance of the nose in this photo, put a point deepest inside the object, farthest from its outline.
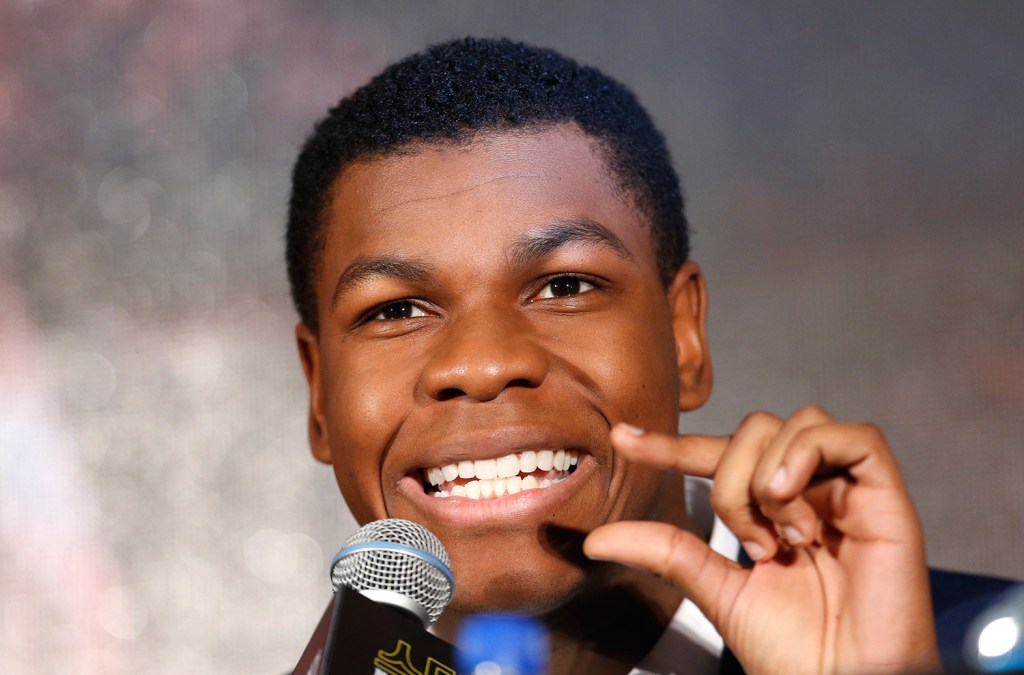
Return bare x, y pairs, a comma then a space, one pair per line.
480, 355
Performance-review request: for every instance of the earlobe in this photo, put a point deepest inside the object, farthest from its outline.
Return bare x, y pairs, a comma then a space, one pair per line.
688, 300
309, 354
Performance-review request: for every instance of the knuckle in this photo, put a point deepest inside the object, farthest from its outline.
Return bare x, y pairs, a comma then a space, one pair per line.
718, 502
810, 414
675, 550
809, 436
871, 434
760, 419
732, 512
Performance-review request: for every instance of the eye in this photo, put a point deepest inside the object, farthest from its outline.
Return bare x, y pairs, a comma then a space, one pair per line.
561, 287
403, 309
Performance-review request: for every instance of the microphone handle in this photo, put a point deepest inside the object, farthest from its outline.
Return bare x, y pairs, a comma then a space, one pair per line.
358, 635
313, 656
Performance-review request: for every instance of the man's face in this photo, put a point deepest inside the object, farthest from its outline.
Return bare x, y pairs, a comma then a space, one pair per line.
487, 310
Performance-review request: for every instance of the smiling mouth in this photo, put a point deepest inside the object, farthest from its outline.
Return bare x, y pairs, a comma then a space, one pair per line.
508, 475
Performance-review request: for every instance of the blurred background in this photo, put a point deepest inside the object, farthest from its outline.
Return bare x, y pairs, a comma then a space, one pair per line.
855, 176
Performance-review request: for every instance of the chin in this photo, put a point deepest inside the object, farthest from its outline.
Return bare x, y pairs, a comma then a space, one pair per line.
510, 592
518, 582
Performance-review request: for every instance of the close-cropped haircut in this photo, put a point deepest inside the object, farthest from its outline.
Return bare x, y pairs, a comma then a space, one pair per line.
452, 92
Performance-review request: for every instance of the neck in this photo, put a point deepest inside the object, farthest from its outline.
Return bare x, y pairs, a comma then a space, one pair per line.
610, 630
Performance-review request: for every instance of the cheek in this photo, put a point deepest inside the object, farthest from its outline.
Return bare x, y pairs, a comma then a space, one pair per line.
370, 396
366, 406
642, 492
634, 368
637, 372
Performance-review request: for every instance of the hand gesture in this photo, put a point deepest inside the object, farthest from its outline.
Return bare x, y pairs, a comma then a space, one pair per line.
839, 583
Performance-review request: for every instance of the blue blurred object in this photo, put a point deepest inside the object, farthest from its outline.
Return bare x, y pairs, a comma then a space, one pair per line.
995, 642
502, 644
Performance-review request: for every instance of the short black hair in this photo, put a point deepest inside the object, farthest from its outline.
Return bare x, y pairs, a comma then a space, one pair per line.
453, 91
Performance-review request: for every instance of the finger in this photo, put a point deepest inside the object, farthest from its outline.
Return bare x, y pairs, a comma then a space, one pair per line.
681, 557
800, 420
857, 450
731, 495
793, 517
693, 455
858, 488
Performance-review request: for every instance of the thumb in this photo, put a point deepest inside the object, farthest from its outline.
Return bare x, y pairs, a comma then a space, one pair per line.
676, 555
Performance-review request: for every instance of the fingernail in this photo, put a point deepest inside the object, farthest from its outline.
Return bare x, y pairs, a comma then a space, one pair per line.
754, 550
792, 535
778, 479
630, 429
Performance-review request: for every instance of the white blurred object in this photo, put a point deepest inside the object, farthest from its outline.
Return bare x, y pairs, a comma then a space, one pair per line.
995, 643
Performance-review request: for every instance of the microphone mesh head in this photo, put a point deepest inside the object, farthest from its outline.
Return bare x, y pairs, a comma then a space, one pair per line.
397, 556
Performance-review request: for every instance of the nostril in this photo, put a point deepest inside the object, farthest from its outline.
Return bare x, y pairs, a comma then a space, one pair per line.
449, 393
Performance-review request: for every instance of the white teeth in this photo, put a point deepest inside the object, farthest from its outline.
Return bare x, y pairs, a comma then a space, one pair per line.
486, 468
498, 485
508, 466
545, 460
486, 488
527, 461
490, 478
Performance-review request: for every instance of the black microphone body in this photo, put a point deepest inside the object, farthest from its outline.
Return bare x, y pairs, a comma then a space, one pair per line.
357, 635
393, 578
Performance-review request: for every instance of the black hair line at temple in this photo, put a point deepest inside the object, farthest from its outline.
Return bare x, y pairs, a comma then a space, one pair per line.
451, 94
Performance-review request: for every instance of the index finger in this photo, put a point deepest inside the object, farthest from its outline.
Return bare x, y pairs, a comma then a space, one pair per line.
692, 454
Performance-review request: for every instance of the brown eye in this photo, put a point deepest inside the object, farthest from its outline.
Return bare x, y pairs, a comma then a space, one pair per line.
398, 310
565, 286
561, 287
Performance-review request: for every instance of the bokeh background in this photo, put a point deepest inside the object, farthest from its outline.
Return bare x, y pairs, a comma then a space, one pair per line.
855, 175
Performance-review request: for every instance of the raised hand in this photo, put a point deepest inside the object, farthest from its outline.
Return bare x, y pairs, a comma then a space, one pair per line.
839, 583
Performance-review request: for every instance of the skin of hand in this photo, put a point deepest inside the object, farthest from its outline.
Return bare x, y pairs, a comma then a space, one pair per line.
839, 583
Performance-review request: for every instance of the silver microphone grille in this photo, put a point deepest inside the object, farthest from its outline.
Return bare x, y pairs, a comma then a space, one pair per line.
399, 562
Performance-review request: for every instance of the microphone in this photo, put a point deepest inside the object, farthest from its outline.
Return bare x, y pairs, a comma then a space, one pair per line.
399, 563
393, 579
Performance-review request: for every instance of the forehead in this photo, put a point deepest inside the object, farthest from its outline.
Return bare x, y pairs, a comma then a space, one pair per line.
495, 187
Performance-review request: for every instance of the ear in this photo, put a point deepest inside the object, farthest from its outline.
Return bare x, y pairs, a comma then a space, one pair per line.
688, 300
309, 354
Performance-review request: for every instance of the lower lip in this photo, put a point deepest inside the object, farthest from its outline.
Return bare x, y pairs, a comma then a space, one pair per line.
463, 511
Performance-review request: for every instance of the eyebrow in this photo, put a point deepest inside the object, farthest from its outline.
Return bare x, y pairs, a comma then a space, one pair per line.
402, 269
542, 241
